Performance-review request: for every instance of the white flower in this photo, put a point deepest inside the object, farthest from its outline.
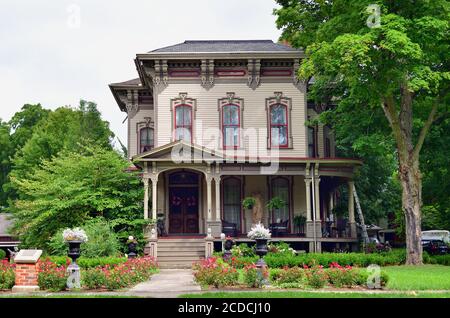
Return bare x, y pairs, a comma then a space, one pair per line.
130, 238
259, 232
75, 234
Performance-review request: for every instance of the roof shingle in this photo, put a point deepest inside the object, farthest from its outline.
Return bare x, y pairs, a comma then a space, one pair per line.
226, 46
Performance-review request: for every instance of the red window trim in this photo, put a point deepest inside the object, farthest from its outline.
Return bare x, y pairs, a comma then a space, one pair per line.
279, 125
140, 139
182, 126
224, 146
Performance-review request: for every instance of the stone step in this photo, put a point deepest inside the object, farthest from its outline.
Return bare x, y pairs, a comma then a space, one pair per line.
162, 253
175, 265
180, 248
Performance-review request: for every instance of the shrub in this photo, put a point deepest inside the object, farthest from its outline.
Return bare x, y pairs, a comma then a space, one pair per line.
316, 277
2, 254
253, 278
51, 276
437, 259
211, 272
281, 248
93, 278
242, 250
291, 275
102, 241
7, 275
340, 276
85, 262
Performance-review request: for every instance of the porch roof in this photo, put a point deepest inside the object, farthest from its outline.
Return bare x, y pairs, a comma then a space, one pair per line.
181, 152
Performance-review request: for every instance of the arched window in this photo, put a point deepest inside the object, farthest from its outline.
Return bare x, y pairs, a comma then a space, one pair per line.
279, 126
280, 187
183, 123
230, 125
146, 140
232, 197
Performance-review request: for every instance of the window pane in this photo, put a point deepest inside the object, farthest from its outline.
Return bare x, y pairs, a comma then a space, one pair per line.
232, 201
230, 115
183, 134
183, 115
278, 114
179, 116
187, 115
146, 139
283, 135
279, 136
231, 137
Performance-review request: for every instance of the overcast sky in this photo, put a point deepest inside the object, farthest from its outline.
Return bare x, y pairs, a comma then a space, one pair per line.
57, 52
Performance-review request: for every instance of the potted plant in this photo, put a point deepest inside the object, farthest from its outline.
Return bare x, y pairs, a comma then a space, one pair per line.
275, 204
299, 222
261, 235
132, 244
74, 237
248, 203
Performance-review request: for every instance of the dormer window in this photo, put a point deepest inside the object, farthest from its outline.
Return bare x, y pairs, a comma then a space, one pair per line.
279, 126
183, 123
230, 125
146, 139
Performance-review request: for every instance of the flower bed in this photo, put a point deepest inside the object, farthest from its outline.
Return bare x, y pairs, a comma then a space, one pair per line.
217, 273
53, 275
133, 271
7, 276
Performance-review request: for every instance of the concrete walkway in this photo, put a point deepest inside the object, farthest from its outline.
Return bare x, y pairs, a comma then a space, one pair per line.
168, 283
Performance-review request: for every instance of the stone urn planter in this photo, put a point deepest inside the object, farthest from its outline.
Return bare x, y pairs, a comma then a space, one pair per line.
261, 250
228, 246
74, 238
132, 245
261, 235
74, 251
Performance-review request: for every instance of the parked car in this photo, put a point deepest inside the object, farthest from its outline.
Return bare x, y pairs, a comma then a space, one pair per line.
435, 247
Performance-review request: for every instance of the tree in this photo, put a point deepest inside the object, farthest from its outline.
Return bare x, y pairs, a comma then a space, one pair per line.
400, 65
13, 135
63, 129
5, 153
74, 187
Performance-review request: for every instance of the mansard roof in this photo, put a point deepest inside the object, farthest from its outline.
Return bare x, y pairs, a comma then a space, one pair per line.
219, 46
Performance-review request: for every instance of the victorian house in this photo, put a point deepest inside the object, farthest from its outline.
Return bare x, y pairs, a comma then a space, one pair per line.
213, 122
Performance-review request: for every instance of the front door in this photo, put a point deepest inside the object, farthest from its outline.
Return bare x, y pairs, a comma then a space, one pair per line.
183, 213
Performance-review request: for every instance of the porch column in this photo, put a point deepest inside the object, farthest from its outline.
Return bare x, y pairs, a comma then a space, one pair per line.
308, 199
154, 196
208, 198
317, 193
351, 208
218, 203
145, 180
214, 224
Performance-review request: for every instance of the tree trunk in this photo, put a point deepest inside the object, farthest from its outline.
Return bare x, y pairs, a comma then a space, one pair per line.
411, 182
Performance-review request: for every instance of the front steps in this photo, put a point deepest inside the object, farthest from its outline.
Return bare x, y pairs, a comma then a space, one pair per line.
180, 252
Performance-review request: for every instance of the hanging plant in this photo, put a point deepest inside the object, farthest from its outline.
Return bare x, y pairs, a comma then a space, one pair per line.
248, 202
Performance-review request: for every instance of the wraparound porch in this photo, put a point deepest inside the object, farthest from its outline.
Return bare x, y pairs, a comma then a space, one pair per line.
202, 196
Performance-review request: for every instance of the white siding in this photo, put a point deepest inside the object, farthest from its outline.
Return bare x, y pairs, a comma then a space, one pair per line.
134, 131
254, 114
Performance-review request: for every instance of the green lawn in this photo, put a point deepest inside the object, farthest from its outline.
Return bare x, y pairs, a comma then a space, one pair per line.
426, 277
303, 294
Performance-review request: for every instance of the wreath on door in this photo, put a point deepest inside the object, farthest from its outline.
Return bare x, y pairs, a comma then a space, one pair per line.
191, 201
176, 200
